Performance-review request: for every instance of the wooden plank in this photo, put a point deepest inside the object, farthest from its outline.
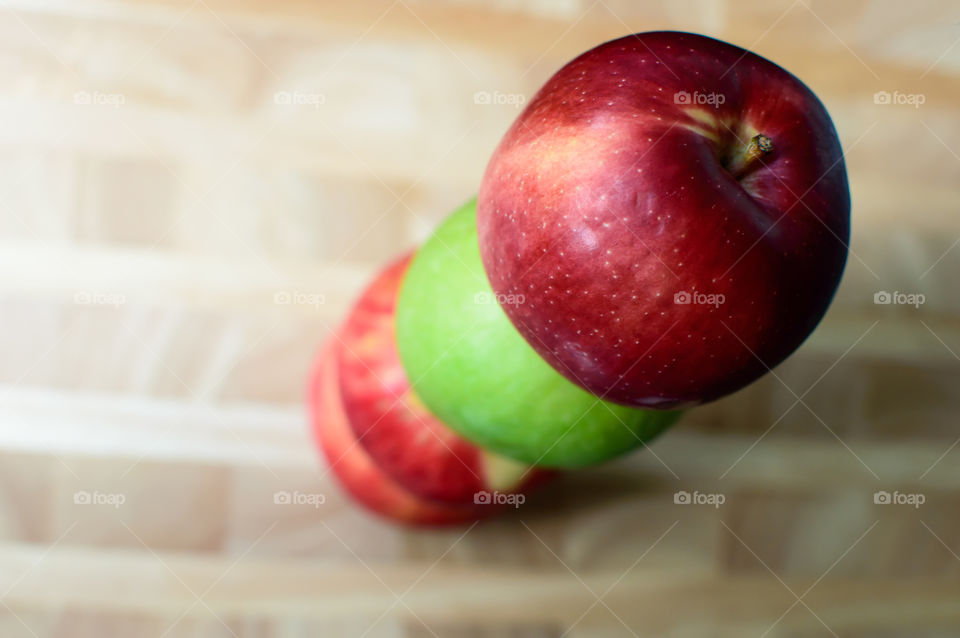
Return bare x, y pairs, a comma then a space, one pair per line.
96, 425
249, 435
44, 578
91, 276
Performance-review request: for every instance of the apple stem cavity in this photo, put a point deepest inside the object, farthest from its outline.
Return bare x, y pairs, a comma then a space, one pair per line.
745, 158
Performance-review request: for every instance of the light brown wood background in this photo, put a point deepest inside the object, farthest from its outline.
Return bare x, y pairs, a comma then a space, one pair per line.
144, 236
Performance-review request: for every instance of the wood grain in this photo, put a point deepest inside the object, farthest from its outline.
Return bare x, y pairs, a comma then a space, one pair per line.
175, 251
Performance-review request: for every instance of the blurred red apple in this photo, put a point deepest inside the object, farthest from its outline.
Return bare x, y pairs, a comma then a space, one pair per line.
395, 428
359, 475
673, 212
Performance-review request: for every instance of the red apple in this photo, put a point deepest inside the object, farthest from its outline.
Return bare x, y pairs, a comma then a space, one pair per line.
398, 432
357, 472
674, 213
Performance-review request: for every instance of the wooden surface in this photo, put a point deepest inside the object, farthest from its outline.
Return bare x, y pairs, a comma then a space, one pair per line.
145, 236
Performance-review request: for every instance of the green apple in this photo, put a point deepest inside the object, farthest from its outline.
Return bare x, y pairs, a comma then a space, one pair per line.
476, 372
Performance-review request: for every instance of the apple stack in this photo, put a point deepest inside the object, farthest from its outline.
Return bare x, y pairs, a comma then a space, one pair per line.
666, 221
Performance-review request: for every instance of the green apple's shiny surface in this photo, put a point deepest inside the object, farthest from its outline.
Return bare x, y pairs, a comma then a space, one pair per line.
476, 373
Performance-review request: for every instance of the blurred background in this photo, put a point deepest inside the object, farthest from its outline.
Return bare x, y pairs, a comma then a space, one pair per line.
193, 191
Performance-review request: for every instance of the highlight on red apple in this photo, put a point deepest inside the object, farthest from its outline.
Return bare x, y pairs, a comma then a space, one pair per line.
675, 212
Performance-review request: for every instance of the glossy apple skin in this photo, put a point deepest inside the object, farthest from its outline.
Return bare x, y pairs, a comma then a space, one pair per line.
478, 375
353, 467
402, 437
609, 195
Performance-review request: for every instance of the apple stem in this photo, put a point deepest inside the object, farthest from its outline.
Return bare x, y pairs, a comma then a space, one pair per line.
746, 156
